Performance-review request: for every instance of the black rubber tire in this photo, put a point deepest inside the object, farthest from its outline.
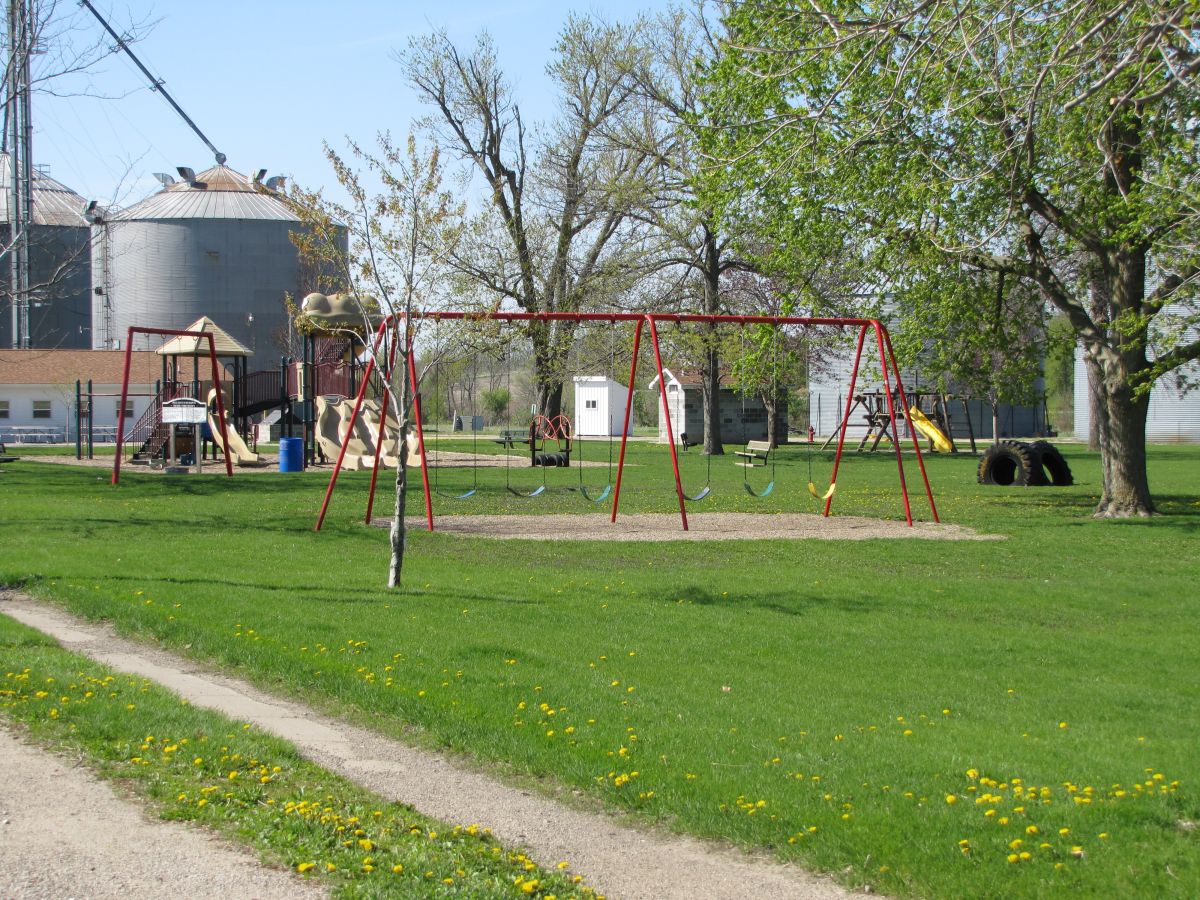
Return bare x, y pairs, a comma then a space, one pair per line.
1011, 463
1053, 464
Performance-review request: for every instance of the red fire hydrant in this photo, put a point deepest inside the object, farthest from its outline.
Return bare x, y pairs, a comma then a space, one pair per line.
812, 433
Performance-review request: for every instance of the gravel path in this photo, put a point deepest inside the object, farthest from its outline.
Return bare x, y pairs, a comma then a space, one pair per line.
615, 859
64, 833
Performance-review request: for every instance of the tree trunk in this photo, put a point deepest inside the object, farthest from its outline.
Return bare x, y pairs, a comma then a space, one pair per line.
771, 404
398, 529
995, 422
711, 394
549, 352
1122, 434
1114, 366
1100, 298
1097, 408
399, 390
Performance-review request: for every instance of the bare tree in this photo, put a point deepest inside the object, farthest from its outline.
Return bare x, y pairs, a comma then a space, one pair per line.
556, 234
401, 238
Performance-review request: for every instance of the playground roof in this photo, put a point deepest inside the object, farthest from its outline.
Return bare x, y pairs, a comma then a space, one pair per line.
226, 344
65, 367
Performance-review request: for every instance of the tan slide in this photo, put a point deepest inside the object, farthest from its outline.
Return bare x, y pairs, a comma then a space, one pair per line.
333, 427
242, 455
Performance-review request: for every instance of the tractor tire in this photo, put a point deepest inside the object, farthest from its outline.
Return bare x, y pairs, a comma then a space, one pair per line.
1009, 463
1053, 463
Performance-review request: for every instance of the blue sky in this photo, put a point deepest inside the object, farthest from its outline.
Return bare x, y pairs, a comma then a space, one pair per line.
268, 80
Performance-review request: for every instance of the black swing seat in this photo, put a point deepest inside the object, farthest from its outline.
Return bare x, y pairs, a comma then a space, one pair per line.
704, 492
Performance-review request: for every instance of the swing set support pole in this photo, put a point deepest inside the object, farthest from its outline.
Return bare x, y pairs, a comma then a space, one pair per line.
662, 389
384, 401
637, 342
887, 338
362, 389
887, 389
837, 458
412, 380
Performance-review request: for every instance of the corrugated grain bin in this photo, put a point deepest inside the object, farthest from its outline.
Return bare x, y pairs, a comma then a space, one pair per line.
59, 266
215, 244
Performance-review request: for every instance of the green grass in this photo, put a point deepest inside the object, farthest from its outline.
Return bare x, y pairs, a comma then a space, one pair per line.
198, 766
821, 700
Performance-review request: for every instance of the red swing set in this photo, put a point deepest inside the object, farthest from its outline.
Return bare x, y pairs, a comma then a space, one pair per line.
887, 363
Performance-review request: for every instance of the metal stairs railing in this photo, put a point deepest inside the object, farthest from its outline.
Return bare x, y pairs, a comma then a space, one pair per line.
150, 434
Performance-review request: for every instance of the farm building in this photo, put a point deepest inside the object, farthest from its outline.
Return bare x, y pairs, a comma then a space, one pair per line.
37, 392
599, 406
743, 418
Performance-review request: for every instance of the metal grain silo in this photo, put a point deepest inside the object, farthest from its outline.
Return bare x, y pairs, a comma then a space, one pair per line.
215, 244
59, 305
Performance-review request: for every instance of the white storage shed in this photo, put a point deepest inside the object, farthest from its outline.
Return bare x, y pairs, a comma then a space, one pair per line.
599, 406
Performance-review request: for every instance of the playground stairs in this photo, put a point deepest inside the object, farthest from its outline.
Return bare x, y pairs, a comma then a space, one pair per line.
150, 434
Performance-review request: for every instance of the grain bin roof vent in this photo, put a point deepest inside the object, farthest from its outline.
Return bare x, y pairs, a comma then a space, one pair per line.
217, 193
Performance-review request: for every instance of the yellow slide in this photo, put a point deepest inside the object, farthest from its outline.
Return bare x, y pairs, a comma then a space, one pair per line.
941, 443
242, 455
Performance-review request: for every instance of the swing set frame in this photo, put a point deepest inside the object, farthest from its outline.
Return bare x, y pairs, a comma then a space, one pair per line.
887, 363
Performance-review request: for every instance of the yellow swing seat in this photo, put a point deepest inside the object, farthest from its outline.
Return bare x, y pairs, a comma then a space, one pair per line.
812, 489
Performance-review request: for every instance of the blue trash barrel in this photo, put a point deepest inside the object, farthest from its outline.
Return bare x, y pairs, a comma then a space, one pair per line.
291, 454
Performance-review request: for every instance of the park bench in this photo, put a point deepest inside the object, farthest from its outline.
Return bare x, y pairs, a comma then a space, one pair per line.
4, 457
756, 451
510, 437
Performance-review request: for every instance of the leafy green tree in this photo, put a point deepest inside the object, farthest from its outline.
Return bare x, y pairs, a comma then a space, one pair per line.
496, 401
1056, 145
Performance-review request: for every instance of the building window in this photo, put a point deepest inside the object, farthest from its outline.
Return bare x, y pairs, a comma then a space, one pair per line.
41, 409
3, 409
128, 408
672, 388
591, 404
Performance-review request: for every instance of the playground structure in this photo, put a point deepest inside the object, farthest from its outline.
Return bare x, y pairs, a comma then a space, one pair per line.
222, 428
888, 367
935, 426
327, 368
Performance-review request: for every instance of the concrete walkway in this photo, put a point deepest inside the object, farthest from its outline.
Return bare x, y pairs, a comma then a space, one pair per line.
616, 860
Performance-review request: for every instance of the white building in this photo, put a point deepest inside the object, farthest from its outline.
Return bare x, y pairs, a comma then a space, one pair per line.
1174, 414
37, 391
599, 406
743, 418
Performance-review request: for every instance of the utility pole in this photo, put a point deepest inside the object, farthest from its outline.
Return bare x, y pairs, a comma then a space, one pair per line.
18, 134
